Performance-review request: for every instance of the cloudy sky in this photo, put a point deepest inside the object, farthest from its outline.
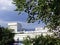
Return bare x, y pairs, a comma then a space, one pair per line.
7, 14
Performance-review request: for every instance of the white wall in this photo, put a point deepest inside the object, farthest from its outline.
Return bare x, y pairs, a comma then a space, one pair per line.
32, 35
16, 26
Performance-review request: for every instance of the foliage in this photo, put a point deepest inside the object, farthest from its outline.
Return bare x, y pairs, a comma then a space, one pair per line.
47, 11
42, 40
6, 37
27, 42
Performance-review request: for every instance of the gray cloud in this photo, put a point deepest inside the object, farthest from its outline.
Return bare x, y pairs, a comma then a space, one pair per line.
6, 5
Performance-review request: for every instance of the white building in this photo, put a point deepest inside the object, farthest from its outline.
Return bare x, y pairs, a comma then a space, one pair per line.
40, 29
20, 33
15, 26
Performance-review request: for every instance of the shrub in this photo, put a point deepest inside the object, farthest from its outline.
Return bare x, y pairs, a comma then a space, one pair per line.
42, 40
6, 37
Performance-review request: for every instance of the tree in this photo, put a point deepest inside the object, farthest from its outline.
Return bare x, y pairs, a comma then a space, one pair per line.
42, 40
6, 37
47, 11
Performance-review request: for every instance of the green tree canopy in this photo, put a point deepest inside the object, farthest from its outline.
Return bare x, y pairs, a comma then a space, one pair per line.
47, 11
42, 40
6, 37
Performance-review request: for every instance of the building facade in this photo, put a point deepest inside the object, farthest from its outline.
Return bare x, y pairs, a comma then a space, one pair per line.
21, 34
15, 26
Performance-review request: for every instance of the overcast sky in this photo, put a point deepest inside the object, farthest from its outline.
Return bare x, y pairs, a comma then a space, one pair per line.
7, 14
